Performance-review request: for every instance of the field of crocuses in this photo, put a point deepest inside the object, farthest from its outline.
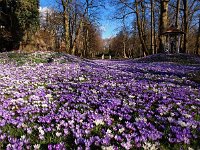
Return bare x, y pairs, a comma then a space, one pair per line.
73, 103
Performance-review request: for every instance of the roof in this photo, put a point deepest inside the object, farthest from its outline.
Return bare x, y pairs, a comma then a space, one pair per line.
172, 30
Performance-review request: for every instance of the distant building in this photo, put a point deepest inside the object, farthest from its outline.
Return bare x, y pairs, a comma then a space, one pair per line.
173, 36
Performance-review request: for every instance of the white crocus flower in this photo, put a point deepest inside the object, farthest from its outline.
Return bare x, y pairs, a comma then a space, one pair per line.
183, 124
189, 148
48, 96
23, 137
81, 78
150, 146
121, 130
42, 132
36, 146
58, 134
131, 96
107, 148
99, 122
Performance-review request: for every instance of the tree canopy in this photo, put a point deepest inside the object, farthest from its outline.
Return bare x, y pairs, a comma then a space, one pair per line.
18, 17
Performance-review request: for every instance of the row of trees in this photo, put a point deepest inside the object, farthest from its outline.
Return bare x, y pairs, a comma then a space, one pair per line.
148, 19
72, 26
81, 35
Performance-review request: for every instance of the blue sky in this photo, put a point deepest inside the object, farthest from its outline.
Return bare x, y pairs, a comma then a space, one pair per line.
108, 26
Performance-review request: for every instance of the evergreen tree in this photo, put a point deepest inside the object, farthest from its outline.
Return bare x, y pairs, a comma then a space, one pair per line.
18, 18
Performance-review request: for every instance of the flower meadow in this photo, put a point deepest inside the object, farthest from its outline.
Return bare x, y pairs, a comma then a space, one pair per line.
98, 104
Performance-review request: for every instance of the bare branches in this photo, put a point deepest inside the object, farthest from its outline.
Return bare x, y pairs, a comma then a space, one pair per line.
128, 5
124, 15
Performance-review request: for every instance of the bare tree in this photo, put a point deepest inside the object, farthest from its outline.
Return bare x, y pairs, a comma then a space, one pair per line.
127, 8
75, 17
177, 13
140, 30
66, 22
186, 27
197, 40
125, 38
153, 32
163, 23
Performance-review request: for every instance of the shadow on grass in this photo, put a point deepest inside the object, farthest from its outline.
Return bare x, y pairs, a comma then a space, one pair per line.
193, 77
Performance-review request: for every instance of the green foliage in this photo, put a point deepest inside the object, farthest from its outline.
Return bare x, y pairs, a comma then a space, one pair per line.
21, 17
27, 14
22, 58
13, 131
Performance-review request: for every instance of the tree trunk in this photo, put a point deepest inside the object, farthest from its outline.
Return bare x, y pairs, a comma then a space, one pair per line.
86, 33
163, 24
65, 6
177, 14
76, 37
152, 28
197, 41
124, 39
144, 47
177, 25
186, 28
143, 21
124, 45
86, 36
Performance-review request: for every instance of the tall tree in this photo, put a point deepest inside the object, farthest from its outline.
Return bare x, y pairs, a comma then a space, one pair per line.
186, 25
75, 16
86, 30
21, 20
128, 8
163, 23
197, 40
177, 13
140, 29
125, 38
153, 38
66, 23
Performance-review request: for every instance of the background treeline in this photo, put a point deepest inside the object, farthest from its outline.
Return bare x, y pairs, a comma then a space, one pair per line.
72, 26
144, 21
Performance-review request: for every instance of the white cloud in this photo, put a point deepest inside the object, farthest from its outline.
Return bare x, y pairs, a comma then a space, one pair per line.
44, 10
43, 13
103, 28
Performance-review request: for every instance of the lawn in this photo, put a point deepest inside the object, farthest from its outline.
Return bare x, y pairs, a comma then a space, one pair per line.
74, 103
